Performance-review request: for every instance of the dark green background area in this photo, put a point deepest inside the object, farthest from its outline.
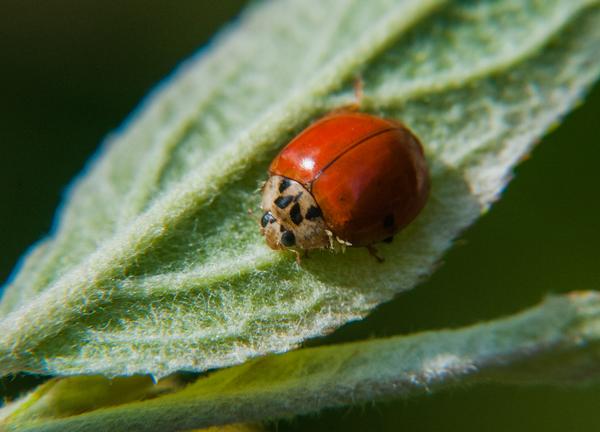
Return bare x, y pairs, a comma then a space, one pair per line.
71, 71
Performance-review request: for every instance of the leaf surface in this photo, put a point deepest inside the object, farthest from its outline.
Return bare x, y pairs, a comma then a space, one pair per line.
556, 342
155, 265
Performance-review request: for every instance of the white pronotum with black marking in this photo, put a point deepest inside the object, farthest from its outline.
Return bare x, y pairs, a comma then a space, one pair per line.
291, 218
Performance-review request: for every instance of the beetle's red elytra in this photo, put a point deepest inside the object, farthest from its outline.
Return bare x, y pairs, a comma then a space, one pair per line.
349, 178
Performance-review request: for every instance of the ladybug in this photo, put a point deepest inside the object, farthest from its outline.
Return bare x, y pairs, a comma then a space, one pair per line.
350, 178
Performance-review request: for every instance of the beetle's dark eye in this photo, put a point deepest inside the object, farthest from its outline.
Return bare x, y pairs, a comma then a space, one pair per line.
288, 239
267, 219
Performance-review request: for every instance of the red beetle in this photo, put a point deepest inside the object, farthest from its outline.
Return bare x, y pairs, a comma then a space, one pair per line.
349, 178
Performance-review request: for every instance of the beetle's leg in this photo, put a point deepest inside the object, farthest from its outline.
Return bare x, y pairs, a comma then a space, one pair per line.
373, 253
298, 257
358, 91
354, 106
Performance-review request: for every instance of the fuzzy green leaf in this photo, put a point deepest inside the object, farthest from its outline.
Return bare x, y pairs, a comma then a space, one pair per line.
156, 266
557, 342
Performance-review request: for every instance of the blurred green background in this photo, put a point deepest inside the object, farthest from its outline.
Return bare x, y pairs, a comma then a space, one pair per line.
72, 71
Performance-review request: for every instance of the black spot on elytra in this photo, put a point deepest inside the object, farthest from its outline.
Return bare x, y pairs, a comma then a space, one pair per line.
283, 201
288, 239
388, 221
313, 212
266, 219
295, 214
285, 183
